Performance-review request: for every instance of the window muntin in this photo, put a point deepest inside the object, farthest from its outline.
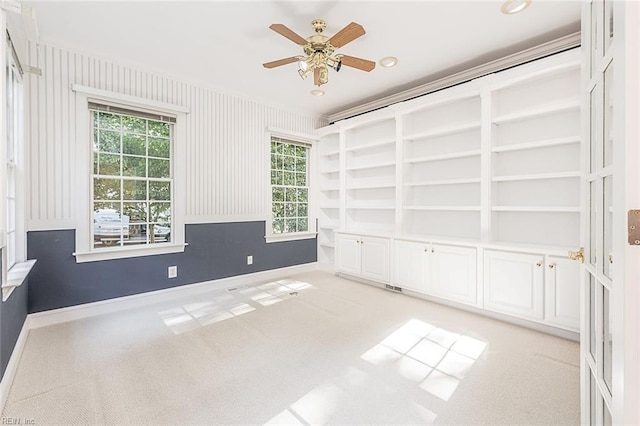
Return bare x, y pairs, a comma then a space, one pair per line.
289, 186
14, 139
132, 181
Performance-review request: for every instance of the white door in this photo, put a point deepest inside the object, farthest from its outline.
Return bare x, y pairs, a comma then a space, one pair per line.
349, 254
375, 259
411, 265
599, 76
562, 281
513, 283
453, 273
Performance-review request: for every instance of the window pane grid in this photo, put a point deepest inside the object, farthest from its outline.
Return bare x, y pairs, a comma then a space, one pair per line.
132, 182
289, 193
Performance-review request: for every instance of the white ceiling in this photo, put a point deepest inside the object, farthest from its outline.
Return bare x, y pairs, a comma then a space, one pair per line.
223, 44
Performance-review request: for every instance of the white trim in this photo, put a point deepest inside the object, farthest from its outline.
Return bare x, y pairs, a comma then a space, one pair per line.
50, 225
293, 136
276, 238
127, 252
82, 177
12, 365
195, 219
537, 52
16, 276
130, 100
71, 313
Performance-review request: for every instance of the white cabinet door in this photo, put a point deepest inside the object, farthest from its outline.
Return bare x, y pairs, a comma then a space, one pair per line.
513, 283
411, 265
349, 254
562, 278
453, 273
375, 258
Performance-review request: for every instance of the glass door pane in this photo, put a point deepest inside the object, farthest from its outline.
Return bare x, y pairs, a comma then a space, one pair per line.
607, 349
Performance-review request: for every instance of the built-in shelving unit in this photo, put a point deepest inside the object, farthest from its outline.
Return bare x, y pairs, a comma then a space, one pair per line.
370, 180
535, 158
329, 172
471, 194
441, 159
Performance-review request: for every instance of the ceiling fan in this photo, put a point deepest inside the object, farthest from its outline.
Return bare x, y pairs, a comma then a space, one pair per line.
319, 51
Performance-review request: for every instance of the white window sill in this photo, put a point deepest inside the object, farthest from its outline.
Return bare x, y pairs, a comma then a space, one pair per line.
127, 252
276, 238
16, 276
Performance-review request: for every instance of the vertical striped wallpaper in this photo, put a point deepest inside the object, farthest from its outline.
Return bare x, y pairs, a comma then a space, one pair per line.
225, 148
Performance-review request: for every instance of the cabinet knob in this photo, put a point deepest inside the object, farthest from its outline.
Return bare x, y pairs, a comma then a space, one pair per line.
539, 264
551, 266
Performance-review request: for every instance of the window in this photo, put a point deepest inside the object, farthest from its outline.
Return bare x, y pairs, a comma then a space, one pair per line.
289, 187
13, 146
132, 179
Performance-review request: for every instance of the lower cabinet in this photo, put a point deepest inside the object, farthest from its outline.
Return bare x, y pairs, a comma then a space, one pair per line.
533, 286
537, 287
439, 270
562, 282
363, 256
514, 283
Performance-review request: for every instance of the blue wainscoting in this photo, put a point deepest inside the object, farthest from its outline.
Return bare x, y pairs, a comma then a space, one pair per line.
13, 313
214, 251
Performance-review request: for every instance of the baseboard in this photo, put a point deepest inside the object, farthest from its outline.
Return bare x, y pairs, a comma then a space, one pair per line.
326, 267
57, 316
12, 366
544, 328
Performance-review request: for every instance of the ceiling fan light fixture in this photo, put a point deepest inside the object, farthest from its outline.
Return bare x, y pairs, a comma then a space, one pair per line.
302, 65
511, 7
388, 61
317, 92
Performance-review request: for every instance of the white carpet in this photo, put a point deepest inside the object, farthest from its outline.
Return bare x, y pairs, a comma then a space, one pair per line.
313, 349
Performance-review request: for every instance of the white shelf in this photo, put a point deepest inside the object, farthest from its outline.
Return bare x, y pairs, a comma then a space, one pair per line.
371, 207
329, 226
444, 182
372, 166
329, 154
542, 110
371, 145
444, 208
327, 244
443, 131
541, 209
329, 171
329, 189
539, 176
330, 206
452, 156
372, 186
537, 144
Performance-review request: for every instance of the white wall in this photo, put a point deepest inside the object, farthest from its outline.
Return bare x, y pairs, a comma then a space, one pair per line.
226, 142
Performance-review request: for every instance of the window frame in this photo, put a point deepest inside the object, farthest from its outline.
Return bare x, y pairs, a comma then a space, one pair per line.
14, 252
85, 252
310, 143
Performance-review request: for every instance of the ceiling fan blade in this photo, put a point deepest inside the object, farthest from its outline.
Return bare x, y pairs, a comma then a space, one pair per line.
361, 64
286, 32
346, 35
280, 62
316, 77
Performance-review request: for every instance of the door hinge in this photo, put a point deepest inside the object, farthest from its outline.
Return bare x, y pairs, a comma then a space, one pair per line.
633, 227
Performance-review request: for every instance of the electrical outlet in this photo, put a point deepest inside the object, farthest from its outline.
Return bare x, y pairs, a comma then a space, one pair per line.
249, 260
172, 271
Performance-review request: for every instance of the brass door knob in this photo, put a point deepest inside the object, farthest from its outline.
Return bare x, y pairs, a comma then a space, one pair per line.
577, 255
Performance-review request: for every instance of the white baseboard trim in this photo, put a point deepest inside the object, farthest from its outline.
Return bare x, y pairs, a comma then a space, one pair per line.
12, 365
327, 267
71, 313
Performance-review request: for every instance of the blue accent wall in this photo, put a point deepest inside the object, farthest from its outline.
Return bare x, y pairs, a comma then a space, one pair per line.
215, 250
13, 313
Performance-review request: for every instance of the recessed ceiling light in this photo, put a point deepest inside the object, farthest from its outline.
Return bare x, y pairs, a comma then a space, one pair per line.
317, 92
510, 7
388, 61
